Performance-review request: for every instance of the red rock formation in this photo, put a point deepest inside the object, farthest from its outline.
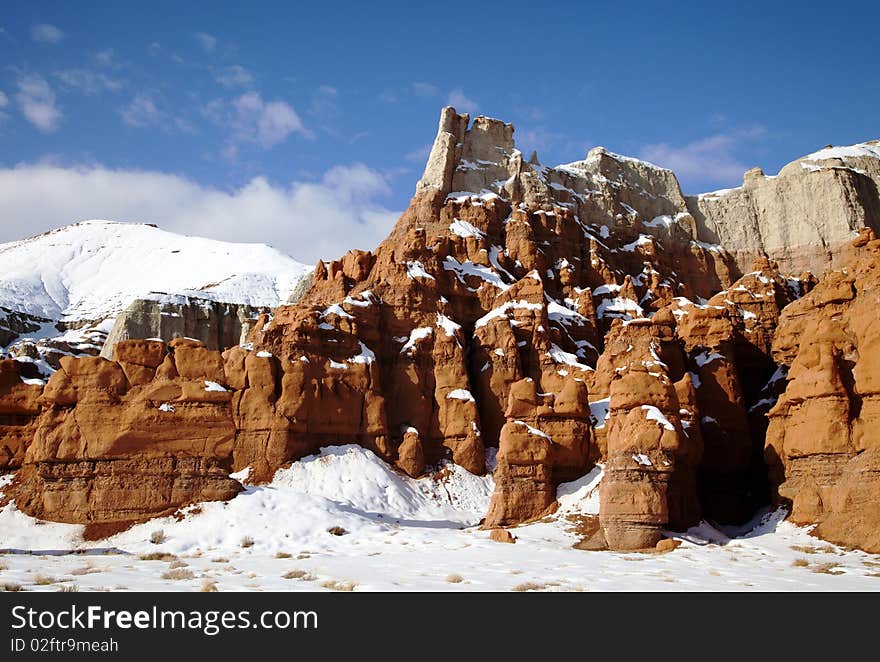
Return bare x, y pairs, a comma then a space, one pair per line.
19, 407
109, 447
822, 442
548, 312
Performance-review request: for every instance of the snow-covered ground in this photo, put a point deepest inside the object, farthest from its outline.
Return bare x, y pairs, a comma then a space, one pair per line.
403, 534
95, 269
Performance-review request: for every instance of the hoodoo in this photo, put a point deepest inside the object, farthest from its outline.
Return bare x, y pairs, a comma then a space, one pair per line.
569, 316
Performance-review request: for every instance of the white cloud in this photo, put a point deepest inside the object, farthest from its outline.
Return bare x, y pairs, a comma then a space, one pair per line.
87, 81
709, 159
461, 103
141, 112
253, 120
37, 103
4, 100
106, 58
323, 102
234, 76
419, 155
425, 90
308, 220
207, 41
46, 34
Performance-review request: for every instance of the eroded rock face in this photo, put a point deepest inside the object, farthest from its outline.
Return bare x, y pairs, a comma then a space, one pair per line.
654, 445
20, 390
164, 317
803, 217
567, 316
822, 442
121, 441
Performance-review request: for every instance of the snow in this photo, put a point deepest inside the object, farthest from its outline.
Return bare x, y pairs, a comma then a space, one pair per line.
600, 410
562, 315
534, 431
643, 460
559, 355
606, 289
501, 311
365, 300
861, 150
337, 365
166, 407
619, 307
335, 309
643, 240
419, 333
447, 325
460, 394
214, 387
264, 354
415, 269
464, 229
468, 268
405, 534
706, 357
663, 221
654, 414
714, 248
581, 496
366, 355
93, 270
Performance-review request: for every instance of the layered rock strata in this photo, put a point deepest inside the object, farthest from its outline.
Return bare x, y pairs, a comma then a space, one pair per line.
566, 316
822, 443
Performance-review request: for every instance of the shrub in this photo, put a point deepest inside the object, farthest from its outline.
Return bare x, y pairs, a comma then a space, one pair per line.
157, 537
178, 574
336, 585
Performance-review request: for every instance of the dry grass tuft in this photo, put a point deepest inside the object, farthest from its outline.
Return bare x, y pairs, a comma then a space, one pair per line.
800, 563
282, 555
296, 573
528, 586
177, 564
220, 559
209, 586
69, 588
336, 585
10, 587
44, 580
813, 549
85, 570
454, 578
247, 541
336, 531
157, 537
157, 556
828, 569
178, 574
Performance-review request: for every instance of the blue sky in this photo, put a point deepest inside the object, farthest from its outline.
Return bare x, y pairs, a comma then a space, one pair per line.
306, 125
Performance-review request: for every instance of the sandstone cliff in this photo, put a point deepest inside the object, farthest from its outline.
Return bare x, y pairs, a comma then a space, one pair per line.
217, 324
567, 316
822, 443
805, 216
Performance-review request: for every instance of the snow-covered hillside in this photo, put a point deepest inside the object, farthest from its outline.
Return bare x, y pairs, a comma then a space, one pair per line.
344, 520
94, 269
